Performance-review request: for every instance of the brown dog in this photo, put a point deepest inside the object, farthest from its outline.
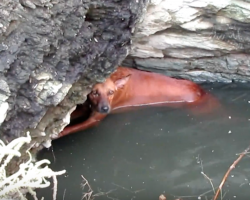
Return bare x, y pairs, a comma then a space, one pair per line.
130, 87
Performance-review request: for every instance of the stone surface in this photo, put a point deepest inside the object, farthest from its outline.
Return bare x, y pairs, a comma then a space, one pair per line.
51, 52
201, 40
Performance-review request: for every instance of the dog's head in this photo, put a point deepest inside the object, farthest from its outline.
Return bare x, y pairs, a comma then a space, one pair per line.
102, 94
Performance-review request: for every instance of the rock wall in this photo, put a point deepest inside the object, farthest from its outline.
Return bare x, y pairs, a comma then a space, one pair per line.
201, 40
51, 52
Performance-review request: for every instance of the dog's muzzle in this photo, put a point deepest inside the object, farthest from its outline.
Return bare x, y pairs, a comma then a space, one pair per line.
104, 109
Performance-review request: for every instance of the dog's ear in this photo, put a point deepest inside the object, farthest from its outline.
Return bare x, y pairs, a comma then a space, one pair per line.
121, 82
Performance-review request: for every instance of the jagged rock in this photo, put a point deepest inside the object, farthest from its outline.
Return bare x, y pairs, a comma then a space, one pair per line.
194, 39
51, 52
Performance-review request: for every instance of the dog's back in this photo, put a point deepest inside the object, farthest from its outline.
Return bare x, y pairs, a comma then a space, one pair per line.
145, 88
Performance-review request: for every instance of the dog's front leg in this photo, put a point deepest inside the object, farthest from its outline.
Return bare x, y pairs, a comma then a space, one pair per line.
91, 121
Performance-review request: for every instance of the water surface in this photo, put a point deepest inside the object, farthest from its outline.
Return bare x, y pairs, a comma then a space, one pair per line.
142, 154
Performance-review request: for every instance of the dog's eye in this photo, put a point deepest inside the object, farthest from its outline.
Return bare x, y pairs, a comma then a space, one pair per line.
94, 93
111, 92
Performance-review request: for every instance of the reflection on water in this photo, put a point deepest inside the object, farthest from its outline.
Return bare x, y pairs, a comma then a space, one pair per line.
142, 154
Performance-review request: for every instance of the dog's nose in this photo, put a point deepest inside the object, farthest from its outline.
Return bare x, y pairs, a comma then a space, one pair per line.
104, 109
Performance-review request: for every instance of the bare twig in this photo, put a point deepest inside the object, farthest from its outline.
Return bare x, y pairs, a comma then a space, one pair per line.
89, 194
229, 170
134, 192
52, 150
103, 193
86, 195
203, 173
64, 192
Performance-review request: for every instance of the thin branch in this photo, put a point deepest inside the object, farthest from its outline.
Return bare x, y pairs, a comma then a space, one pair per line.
229, 170
206, 176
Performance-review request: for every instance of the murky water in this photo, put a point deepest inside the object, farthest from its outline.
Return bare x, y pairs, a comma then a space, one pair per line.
142, 154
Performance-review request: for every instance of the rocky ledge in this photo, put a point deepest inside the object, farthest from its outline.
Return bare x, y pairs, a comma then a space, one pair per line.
201, 40
51, 53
